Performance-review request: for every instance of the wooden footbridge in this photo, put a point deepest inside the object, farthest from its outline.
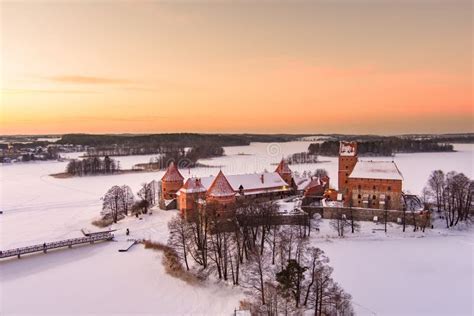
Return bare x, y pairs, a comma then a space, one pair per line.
90, 238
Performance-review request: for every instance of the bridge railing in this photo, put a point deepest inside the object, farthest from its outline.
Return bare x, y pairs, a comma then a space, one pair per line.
56, 244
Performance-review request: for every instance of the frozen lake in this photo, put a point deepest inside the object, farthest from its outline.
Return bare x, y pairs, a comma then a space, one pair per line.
40, 208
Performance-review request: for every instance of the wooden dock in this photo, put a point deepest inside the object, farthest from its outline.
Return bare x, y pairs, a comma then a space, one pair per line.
17, 252
130, 244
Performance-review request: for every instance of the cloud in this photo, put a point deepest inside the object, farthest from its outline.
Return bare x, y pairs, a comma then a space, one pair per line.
78, 79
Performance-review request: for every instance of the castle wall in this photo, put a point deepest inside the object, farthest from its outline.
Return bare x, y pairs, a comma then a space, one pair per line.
169, 189
375, 193
187, 202
366, 214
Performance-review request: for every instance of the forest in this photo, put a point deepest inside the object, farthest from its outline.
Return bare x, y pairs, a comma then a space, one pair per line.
92, 166
282, 274
383, 146
202, 145
163, 140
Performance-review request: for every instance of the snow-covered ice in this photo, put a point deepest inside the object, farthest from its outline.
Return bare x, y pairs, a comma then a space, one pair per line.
99, 279
409, 273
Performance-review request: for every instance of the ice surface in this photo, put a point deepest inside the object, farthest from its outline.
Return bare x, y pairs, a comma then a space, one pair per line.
408, 276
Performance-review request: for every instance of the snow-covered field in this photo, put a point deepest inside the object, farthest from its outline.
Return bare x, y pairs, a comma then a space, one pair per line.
396, 275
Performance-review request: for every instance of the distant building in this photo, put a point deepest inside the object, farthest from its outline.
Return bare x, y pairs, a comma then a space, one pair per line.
368, 184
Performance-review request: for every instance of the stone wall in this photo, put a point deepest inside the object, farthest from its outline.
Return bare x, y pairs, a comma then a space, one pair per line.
364, 214
293, 219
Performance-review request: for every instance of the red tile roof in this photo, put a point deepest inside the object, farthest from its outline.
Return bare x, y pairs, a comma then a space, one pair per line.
193, 185
220, 187
172, 174
283, 167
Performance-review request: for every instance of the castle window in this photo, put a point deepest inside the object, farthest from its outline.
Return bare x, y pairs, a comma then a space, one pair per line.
346, 181
358, 187
389, 188
359, 196
359, 202
374, 187
374, 197
347, 167
388, 197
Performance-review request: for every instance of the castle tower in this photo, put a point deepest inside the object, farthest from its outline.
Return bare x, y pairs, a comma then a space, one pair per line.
221, 192
190, 194
171, 182
284, 171
347, 162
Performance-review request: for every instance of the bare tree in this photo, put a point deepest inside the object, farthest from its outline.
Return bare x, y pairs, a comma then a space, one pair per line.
146, 195
385, 214
258, 272
436, 184
321, 173
127, 199
451, 193
155, 192
355, 226
340, 223
179, 237
112, 205
339, 302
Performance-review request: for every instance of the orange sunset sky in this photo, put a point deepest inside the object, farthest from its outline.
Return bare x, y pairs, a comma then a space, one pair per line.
350, 66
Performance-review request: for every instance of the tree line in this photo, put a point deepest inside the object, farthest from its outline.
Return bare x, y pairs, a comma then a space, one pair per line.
92, 166
450, 194
385, 146
183, 158
119, 201
172, 139
275, 263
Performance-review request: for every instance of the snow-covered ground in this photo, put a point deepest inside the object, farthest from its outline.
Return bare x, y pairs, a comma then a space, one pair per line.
98, 279
398, 273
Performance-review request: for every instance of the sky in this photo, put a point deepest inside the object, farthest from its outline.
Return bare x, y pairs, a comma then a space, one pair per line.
372, 67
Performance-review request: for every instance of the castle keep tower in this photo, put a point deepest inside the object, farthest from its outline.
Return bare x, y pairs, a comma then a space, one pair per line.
347, 162
284, 171
190, 194
171, 182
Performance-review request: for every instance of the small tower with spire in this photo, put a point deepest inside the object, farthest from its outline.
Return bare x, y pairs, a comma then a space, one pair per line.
171, 182
284, 171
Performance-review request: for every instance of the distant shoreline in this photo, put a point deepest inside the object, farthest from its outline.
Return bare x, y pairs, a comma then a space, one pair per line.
65, 175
